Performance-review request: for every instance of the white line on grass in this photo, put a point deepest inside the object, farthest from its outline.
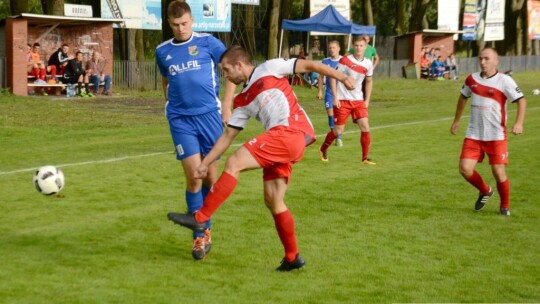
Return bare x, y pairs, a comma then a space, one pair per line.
90, 162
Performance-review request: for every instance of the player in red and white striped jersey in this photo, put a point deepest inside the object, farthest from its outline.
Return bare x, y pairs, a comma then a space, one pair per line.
354, 102
268, 97
490, 92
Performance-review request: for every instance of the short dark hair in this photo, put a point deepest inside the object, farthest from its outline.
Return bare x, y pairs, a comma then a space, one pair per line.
65, 44
236, 54
177, 9
36, 44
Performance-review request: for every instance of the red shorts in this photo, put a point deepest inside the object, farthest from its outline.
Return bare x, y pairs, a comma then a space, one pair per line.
277, 150
475, 149
357, 109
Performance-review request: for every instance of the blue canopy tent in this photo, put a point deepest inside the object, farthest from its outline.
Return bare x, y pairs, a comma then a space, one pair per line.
329, 20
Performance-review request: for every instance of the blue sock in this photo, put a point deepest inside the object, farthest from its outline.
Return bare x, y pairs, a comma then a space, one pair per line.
194, 203
331, 121
205, 189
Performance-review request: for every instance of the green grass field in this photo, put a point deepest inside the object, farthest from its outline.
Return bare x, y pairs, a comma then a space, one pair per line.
401, 231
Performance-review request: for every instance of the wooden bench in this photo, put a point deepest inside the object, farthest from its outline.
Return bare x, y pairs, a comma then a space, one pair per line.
40, 88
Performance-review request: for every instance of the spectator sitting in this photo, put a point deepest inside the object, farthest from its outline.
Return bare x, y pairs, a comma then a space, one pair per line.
94, 68
438, 68
60, 59
39, 70
76, 74
424, 65
452, 67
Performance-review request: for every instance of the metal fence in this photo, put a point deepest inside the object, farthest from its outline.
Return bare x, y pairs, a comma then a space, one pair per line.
143, 76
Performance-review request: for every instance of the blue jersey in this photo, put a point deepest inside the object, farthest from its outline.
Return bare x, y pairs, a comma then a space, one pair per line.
333, 64
191, 70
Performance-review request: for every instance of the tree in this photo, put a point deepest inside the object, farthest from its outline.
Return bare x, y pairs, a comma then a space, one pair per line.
273, 26
18, 6
418, 12
286, 7
53, 7
400, 24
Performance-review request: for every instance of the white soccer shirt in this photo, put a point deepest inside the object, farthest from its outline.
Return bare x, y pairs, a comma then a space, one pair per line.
488, 106
357, 69
268, 97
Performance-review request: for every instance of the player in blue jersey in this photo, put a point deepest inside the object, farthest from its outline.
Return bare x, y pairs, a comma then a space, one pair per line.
332, 61
188, 64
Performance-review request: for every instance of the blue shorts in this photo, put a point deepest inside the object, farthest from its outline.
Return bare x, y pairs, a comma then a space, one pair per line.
328, 101
195, 134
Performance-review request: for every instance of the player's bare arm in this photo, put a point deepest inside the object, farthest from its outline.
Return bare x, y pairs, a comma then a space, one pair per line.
306, 66
320, 80
226, 104
165, 83
462, 101
222, 144
368, 89
520, 116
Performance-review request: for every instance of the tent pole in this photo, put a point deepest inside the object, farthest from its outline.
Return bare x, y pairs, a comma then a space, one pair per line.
349, 43
280, 43
308, 50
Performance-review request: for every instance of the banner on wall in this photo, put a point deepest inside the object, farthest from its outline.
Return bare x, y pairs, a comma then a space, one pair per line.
533, 13
138, 14
247, 2
469, 20
494, 29
448, 16
342, 6
211, 15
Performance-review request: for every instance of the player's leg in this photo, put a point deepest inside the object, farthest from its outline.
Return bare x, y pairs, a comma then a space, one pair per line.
340, 116
503, 187
240, 160
498, 159
274, 194
471, 154
360, 117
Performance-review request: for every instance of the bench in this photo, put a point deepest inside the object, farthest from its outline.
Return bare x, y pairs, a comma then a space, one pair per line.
40, 88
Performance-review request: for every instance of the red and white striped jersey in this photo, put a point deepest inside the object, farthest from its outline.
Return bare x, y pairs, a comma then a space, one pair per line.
358, 70
490, 96
268, 97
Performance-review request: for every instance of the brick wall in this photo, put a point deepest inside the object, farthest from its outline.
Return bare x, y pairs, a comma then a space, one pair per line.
16, 50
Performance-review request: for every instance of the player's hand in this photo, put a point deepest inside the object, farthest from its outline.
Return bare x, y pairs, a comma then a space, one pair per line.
201, 171
319, 95
349, 83
225, 116
517, 129
337, 104
454, 128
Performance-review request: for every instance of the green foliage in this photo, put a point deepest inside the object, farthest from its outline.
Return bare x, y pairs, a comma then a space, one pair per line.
401, 231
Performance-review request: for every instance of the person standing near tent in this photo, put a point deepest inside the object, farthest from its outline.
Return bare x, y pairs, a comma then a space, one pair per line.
332, 61
370, 52
354, 103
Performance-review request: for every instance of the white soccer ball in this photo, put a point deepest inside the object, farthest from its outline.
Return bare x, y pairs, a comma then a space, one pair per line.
49, 180
536, 91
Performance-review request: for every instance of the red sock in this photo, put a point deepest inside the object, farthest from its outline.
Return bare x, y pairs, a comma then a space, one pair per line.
330, 137
221, 190
35, 73
53, 72
504, 193
365, 142
285, 228
42, 74
477, 181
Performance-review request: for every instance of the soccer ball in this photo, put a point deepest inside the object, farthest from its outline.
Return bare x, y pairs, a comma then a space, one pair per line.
49, 180
536, 91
